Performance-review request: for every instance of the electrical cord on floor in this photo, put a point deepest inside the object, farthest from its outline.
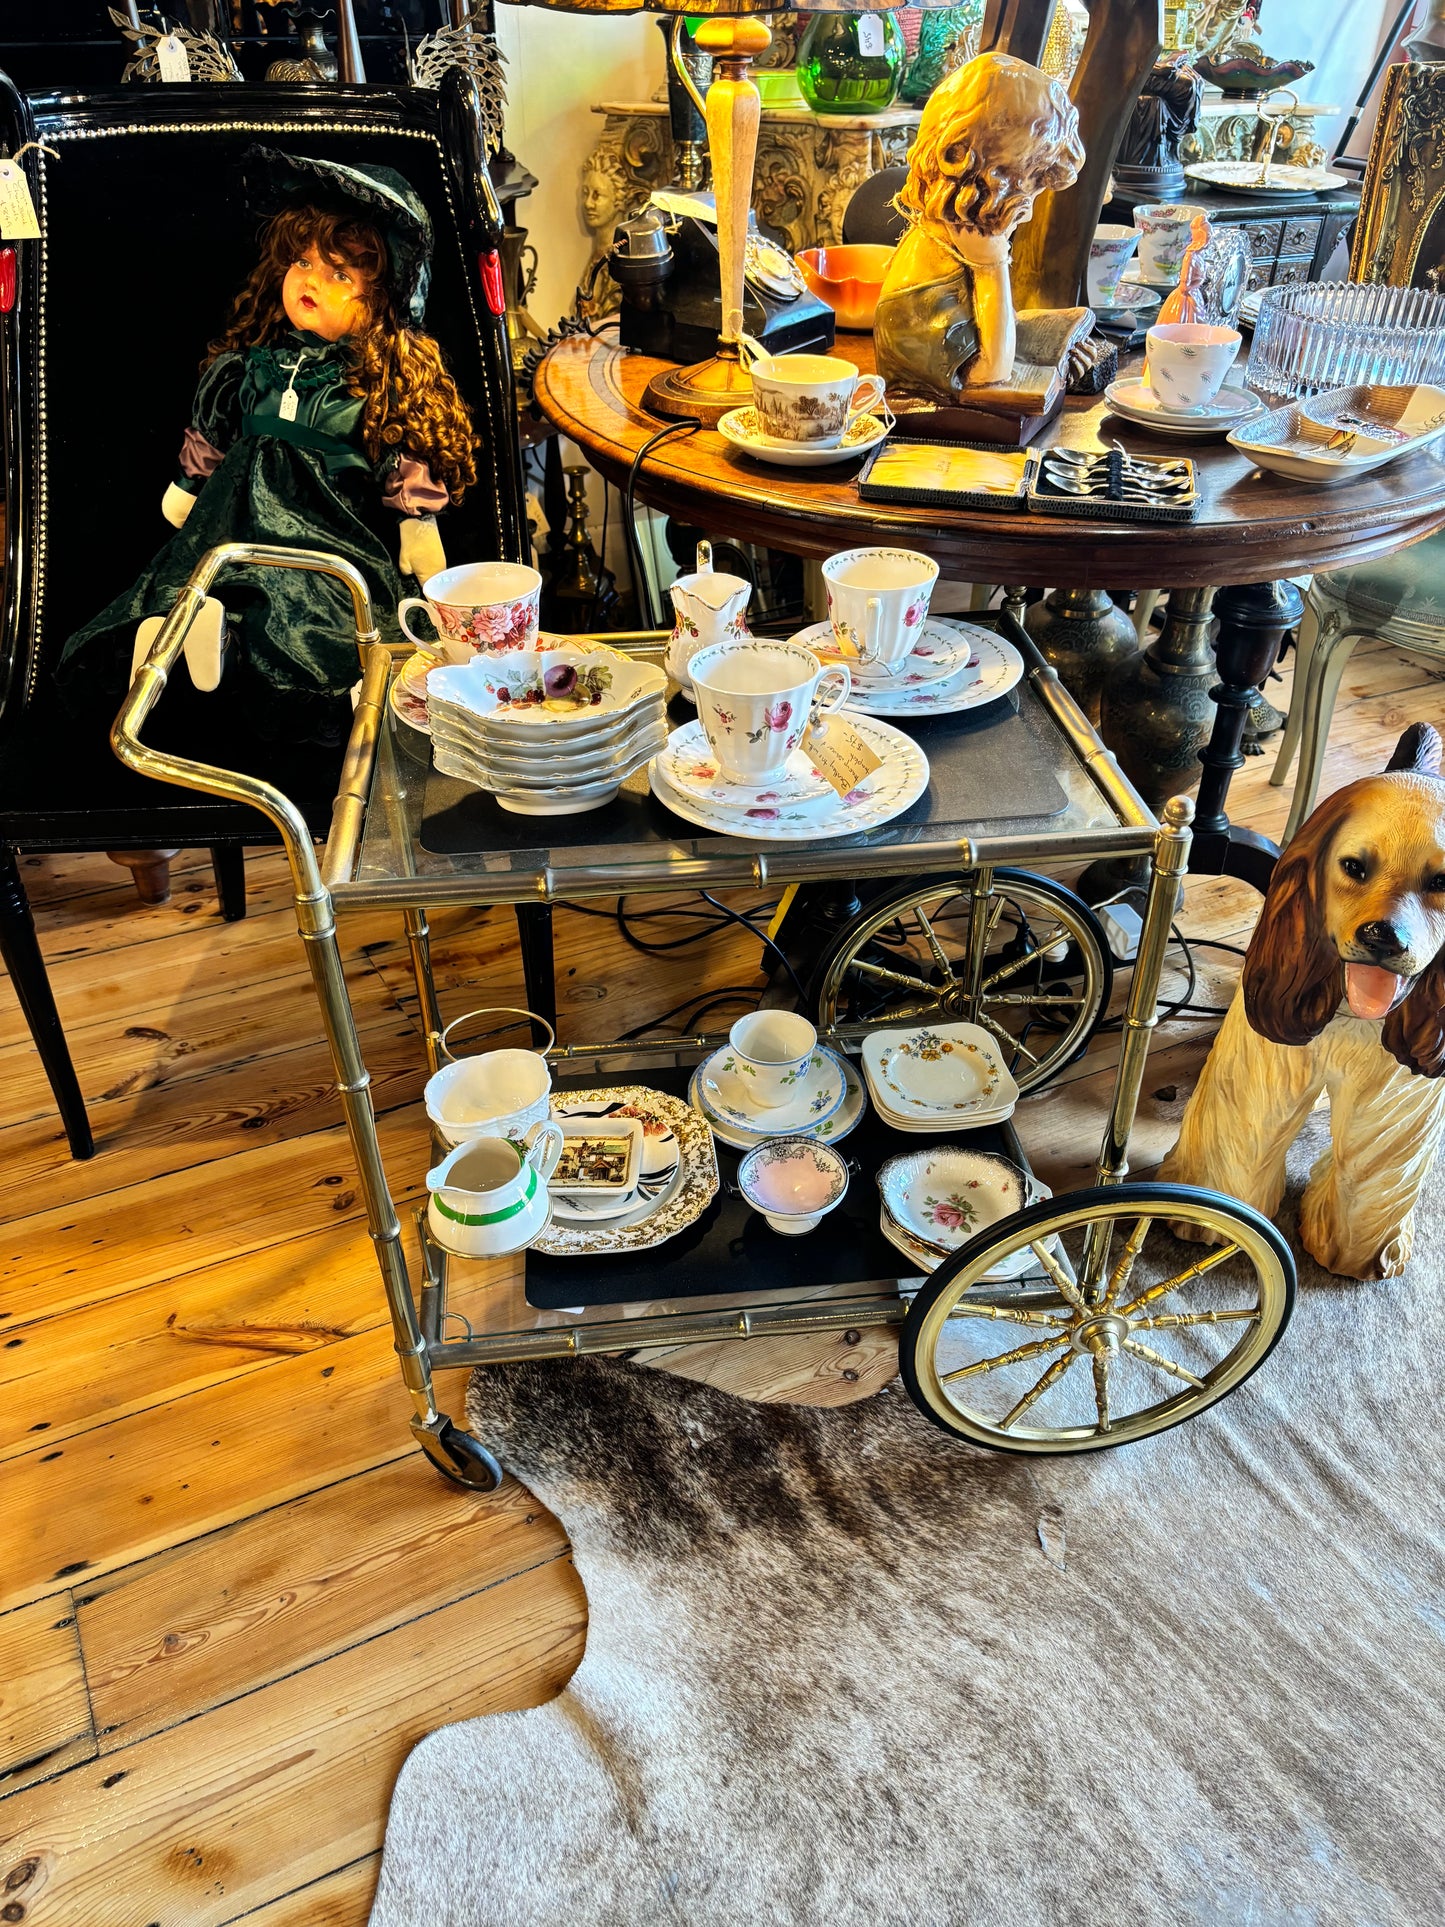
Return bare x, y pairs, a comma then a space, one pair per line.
718, 919
736, 916
629, 517
739, 994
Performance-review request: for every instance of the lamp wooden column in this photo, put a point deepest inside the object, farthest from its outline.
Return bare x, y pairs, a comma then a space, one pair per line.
733, 107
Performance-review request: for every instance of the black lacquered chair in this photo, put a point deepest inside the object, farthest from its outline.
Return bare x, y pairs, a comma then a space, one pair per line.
102, 325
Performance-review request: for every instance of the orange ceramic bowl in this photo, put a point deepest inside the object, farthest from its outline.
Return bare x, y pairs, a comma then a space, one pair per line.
848, 278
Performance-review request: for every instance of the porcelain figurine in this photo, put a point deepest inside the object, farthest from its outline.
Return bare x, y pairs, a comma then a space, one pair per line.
994, 136
325, 418
1183, 303
1342, 993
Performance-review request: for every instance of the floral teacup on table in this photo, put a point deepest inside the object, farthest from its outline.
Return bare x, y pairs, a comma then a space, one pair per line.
878, 604
1110, 252
478, 607
810, 398
1188, 360
1165, 228
755, 699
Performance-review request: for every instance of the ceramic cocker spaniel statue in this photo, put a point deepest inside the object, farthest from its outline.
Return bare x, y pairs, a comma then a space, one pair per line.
1343, 991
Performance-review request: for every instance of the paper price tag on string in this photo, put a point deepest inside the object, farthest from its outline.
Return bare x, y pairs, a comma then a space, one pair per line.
172, 58
840, 755
17, 210
870, 34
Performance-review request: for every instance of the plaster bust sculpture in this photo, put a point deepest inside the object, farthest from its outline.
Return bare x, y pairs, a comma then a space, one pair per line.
994, 136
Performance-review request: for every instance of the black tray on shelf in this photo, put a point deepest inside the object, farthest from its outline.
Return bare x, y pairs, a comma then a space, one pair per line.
985, 765
731, 1249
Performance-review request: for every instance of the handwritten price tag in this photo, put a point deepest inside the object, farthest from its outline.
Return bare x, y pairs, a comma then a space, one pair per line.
871, 40
840, 755
17, 210
172, 58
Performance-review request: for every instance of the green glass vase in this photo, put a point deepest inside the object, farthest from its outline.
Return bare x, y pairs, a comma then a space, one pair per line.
851, 63
947, 37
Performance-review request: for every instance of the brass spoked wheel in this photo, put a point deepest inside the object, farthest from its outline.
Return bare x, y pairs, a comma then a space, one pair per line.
1119, 1330
1019, 954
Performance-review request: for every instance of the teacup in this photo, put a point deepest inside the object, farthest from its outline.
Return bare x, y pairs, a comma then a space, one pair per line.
754, 700
1165, 228
878, 603
709, 606
498, 1093
476, 608
1110, 252
1187, 361
771, 1051
810, 398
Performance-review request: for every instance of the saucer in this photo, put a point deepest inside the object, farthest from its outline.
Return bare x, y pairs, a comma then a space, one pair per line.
815, 1098
843, 1120
942, 651
996, 668
741, 429
1133, 398
1132, 302
689, 766
407, 695
895, 786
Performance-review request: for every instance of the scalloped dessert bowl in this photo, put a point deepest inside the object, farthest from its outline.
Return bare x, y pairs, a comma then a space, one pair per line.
943, 1195
568, 694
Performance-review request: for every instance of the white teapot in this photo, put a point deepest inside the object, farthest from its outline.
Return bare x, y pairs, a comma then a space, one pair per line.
488, 1197
708, 606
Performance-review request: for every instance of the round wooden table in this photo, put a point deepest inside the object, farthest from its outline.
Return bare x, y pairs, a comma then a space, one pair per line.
1253, 529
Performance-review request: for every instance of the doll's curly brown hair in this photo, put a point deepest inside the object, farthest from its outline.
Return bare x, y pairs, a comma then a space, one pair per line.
996, 133
411, 401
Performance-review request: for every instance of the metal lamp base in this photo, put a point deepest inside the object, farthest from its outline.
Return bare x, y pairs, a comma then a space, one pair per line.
703, 392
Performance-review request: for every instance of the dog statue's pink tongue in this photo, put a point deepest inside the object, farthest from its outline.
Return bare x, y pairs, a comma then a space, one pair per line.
1371, 991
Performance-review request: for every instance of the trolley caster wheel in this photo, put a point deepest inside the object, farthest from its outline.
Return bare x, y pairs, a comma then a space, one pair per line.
1116, 1330
457, 1455
1045, 980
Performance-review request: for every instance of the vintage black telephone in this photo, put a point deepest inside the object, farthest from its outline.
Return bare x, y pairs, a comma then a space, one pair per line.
665, 261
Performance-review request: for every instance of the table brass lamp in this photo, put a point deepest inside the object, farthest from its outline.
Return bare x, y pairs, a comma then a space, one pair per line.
733, 34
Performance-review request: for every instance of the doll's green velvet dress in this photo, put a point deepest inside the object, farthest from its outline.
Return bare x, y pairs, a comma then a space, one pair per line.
299, 483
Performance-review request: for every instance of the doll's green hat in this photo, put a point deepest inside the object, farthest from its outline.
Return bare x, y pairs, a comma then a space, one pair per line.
272, 180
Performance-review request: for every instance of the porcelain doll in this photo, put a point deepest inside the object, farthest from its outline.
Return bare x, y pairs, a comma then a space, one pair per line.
324, 419
993, 137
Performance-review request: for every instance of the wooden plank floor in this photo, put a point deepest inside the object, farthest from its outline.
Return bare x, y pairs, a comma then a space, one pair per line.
233, 1594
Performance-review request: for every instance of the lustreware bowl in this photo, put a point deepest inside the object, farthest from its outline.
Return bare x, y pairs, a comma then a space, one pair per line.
849, 278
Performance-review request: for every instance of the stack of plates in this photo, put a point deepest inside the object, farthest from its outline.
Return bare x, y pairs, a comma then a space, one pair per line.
548, 732
1136, 401
938, 1077
955, 666
826, 1103
798, 805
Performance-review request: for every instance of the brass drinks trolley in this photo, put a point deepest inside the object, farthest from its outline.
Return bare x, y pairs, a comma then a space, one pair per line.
1081, 1322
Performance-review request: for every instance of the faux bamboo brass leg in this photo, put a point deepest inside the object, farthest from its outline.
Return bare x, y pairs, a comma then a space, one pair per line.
1170, 861
454, 1454
418, 938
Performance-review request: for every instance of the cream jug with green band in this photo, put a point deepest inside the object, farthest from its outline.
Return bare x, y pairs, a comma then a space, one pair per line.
488, 1197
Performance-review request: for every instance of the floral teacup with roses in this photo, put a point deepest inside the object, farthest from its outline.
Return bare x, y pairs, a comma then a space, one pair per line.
755, 699
878, 604
480, 608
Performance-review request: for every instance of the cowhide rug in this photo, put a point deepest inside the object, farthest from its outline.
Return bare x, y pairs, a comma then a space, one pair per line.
842, 1669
